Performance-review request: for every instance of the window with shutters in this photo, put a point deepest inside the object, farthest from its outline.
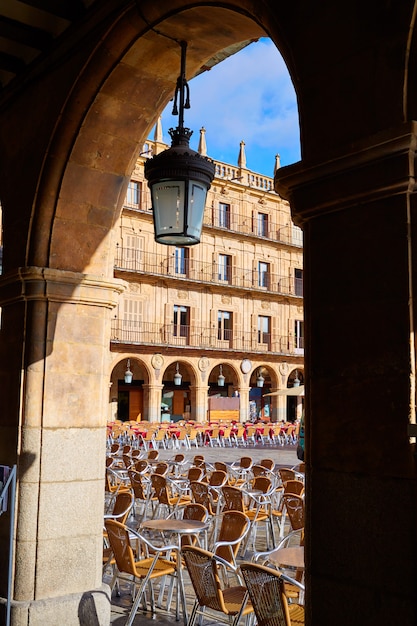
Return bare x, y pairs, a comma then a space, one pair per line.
132, 252
133, 196
299, 336
262, 225
225, 325
224, 215
263, 274
181, 321
133, 319
264, 329
298, 282
182, 258
225, 267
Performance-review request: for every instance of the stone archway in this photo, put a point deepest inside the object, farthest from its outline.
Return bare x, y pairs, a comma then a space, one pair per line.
72, 127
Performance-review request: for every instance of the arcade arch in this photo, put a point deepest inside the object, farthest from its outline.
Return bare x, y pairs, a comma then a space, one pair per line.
354, 195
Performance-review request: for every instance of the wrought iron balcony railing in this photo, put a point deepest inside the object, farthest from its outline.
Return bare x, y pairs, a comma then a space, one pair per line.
134, 260
153, 333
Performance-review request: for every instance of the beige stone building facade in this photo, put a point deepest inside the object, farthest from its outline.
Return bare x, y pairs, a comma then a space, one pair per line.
229, 307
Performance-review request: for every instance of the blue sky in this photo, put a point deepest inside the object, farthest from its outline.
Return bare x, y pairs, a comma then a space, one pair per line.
248, 97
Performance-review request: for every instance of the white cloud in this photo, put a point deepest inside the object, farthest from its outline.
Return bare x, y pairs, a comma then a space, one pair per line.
248, 97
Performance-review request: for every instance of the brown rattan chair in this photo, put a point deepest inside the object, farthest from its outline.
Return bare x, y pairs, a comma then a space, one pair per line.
240, 470
219, 465
268, 463
156, 563
201, 493
266, 589
194, 473
214, 601
257, 508
142, 491
234, 526
285, 474
294, 538
165, 496
122, 506
294, 486
161, 468
193, 511
291, 504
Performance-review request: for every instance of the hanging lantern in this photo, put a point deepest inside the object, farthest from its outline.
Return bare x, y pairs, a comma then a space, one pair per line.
179, 179
128, 374
221, 378
260, 379
177, 376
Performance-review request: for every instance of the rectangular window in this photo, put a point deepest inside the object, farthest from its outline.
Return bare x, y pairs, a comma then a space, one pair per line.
132, 252
181, 260
298, 282
262, 225
132, 322
264, 329
225, 267
263, 274
133, 194
225, 325
299, 335
181, 320
224, 215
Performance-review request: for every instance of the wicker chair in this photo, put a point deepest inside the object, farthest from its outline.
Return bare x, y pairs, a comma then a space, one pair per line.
257, 509
194, 473
122, 506
266, 588
234, 526
155, 564
166, 499
294, 486
202, 494
193, 511
214, 601
142, 490
240, 469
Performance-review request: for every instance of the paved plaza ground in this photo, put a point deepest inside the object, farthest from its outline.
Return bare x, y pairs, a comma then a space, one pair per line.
284, 456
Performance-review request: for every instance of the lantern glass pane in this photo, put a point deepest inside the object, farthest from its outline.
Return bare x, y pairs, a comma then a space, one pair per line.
168, 207
197, 202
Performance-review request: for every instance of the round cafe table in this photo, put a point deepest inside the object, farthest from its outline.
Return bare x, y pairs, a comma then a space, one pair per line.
178, 527
288, 557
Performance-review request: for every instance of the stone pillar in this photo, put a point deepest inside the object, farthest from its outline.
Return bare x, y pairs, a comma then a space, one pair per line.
152, 402
359, 217
56, 329
199, 402
244, 403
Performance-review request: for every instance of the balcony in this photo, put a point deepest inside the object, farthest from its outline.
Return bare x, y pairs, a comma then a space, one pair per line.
286, 234
168, 335
140, 262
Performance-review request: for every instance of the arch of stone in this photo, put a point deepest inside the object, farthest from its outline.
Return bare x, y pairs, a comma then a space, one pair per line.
70, 132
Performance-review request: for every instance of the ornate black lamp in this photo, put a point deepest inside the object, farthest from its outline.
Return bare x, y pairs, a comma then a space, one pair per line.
179, 179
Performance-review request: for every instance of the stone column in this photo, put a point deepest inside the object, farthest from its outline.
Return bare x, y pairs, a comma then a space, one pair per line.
152, 401
359, 217
56, 329
199, 402
244, 403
